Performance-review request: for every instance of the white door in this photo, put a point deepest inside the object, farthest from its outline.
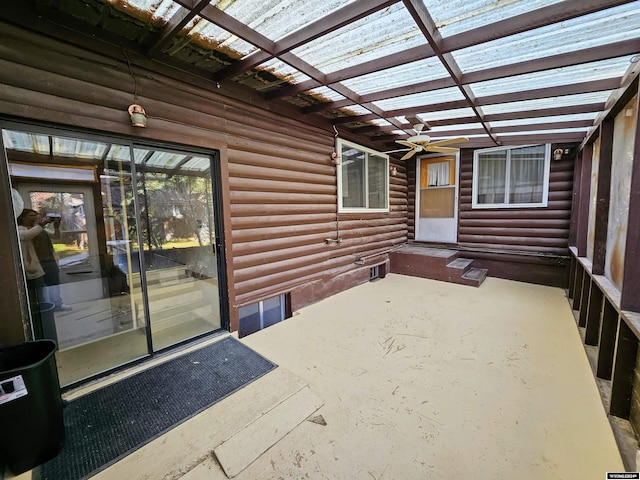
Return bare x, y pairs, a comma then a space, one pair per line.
437, 199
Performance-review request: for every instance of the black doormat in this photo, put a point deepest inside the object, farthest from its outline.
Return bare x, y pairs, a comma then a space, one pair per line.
104, 426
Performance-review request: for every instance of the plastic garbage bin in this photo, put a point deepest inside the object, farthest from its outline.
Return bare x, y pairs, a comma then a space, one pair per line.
30, 405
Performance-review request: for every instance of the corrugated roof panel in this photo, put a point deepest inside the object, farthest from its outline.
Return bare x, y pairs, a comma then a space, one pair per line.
542, 132
284, 71
444, 137
400, 76
447, 114
326, 93
197, 164
587, 72
121, 153
278, 18
163, 10
220, 39
26, 142
357, 110
462, 126
423, 98
551, 102
457, 16
380, 122
543, 120
568, 36
162, 159
386, 32
71, 147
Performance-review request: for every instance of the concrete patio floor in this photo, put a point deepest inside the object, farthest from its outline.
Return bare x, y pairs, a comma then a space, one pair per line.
417, 379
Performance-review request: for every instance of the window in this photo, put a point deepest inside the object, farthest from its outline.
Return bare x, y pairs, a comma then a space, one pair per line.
263, 314
511, 177
363, 179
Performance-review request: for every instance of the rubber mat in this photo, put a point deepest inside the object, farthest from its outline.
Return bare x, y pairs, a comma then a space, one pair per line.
108, 424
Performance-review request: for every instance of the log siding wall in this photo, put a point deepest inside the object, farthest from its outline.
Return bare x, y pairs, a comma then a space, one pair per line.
503, 239
279, 185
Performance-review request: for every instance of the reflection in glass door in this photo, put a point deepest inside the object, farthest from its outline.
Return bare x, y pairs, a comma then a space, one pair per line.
179, 263
132, 242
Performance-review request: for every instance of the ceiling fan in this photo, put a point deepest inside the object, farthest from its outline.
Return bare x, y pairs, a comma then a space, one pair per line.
422, 143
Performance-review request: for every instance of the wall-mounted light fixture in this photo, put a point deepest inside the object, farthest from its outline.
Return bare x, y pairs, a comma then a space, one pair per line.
138, 115
335, 158
557, 154
393, 170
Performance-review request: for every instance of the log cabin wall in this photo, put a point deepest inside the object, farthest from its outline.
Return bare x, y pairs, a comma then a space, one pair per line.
279, 184
528, 244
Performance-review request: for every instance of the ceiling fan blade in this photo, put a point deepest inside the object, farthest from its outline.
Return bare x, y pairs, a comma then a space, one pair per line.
448, 141
437, 148
409, 154
406, 144
394, 151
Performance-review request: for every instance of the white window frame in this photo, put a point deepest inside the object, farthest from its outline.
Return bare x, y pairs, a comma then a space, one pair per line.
545, 186
340, 143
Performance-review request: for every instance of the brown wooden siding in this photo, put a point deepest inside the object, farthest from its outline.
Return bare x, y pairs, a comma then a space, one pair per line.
280, 194
504, 239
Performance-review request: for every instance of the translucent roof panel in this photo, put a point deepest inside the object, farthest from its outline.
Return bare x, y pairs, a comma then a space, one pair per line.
26, 142
381, 122
447, 114
118, 153
575, 34
51, 145
278, 18
552, 102
197, 164
158, 158
327, 94
71, 147
587, 72
551, 131
462, 126
357, 110
209, 34
457, 16
386, 32
400, 76
424, 98
163, 10
543, 120
283, 71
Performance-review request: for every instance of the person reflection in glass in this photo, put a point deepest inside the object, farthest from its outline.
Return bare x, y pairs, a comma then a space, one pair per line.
30, 225
47, 256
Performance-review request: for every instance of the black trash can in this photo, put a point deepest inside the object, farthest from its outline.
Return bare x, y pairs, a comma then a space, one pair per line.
30, 405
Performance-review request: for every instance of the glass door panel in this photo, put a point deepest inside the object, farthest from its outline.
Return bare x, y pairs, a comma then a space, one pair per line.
129, 251
88, 300
180, 267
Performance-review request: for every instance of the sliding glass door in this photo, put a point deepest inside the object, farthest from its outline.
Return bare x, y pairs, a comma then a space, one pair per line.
178, 244
132, 266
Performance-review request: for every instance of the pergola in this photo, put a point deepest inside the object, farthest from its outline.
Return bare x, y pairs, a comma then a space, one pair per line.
499, 73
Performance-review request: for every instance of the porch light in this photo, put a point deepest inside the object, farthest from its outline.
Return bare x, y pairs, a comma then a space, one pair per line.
138, 115
557, 154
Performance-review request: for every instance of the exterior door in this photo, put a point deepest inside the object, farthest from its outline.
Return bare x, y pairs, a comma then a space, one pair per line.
437, 199
133, 251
